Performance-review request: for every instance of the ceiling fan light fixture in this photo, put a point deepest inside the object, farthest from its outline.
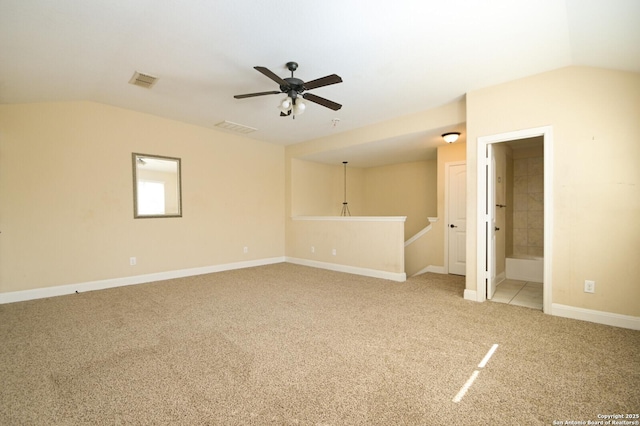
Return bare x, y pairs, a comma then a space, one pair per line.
299, 107
451, 137
286, 104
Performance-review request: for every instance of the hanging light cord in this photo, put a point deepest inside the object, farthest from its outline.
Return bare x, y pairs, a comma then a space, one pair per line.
345, 182
345, 206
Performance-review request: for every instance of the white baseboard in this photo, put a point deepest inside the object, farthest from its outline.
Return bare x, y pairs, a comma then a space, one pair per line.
600, 317
40, 293
375, 273
470, 295
431, 268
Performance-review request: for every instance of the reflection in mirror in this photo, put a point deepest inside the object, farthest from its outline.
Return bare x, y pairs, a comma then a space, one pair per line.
156, 186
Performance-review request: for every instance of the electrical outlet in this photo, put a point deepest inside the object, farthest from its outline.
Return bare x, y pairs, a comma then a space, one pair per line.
589, 286
132, 261
333, 252
246, 249
313, 249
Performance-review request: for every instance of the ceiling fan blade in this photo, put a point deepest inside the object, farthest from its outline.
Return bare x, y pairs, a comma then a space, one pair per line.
282, 114
251, 95
322, 101
272, 76
324, 81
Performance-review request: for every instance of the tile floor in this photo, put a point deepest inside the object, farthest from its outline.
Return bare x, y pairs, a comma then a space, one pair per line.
521, 293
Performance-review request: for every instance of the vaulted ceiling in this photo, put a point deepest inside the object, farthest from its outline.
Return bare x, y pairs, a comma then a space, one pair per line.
395, 58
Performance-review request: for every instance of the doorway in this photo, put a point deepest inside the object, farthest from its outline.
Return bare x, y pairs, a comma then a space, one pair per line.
492, 204
517, 249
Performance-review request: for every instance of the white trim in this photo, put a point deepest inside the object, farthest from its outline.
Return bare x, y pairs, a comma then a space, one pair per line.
430, 268
353, 218
40, 293
600, 317
375, 273
418, 235
470, 295
421, 232
481, 180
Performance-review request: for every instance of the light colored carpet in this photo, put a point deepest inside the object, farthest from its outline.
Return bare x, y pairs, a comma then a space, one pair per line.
287, 344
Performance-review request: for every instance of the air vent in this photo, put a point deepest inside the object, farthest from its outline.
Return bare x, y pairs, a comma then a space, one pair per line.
235, 127
143, 80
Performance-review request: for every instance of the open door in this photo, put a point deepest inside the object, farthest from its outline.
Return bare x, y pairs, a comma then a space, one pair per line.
491, 222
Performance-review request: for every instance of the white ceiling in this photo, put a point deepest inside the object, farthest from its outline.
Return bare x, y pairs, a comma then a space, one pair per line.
396, 58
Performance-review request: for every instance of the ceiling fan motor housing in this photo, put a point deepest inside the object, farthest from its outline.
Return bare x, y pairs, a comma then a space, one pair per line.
294, 88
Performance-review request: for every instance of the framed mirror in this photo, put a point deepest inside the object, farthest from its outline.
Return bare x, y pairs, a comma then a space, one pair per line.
156, 186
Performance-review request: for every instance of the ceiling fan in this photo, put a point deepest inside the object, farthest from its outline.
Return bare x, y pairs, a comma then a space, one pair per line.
294, 88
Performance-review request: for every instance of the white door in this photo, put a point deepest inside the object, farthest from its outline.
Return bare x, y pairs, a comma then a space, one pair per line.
491, 222
457, 218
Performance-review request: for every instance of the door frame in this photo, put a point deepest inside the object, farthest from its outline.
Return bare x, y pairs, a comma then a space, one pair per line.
482, 254
447, 166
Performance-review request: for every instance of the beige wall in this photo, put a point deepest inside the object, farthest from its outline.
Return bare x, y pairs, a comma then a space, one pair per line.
367, 243
66, 211
407, 189
445, 116
420, 252
318, 189
596, 189
66, 196
303, 199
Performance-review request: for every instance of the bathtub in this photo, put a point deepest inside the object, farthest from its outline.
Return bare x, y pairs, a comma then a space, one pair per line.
525, 268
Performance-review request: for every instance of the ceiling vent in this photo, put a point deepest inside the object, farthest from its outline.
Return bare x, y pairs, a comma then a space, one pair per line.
235, 127
143, 80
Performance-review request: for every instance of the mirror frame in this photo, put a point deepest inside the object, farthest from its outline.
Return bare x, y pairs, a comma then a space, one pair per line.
134, 160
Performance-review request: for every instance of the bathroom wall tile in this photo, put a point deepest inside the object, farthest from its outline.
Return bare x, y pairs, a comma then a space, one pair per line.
535, 238
520, 237
520, 250
520, 185
535, 184
535, 251
521, 167
520, 219
521, 202
536, 166
527, 209
535, 201
535, 219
